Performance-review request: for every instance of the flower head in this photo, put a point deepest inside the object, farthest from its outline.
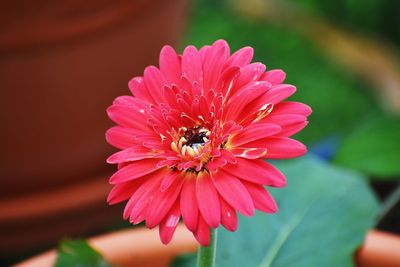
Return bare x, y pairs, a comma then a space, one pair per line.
194, 138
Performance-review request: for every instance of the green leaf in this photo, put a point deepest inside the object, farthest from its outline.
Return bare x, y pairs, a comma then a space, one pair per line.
324, 215
78, 253
373, 148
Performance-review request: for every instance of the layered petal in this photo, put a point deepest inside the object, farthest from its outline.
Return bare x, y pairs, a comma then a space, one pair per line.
241, 58
254, 132
122, 137
280, 147
208, 200
188, 203
233, 192
169, 224
228, 216
202, 233
191, 65
161, 203
262, 199
274, 76
170, 64
134, 170
256, 171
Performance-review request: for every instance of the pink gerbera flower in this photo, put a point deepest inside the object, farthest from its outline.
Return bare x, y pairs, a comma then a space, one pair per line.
194, 138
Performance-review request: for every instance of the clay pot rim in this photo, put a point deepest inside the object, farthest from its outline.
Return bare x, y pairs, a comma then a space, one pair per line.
124, 247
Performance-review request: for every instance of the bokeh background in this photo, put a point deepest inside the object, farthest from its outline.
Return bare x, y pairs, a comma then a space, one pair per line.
63, 62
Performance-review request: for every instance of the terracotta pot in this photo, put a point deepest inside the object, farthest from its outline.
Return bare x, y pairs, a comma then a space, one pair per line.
61, 65
37, 220
142, 247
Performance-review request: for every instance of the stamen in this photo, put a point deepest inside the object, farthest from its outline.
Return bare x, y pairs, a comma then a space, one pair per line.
190, 151
174, 147
183, 152
182, 141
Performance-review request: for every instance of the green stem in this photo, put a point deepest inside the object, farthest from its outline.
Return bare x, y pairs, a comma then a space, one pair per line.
206, 255
389, 203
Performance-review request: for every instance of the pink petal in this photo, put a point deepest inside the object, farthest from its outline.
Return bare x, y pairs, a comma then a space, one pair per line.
257, 171
137, 88
274, 76
131, 102
155, 143
234, 192
170, 97
290, 123
169, 224
188, 202
228, 216
132, 153
293, 129
284, 119
249, 153
216, 163
237, 103
170, 64
292, 108
279, 93
280, 147
230, 127
134, 170
191, 64
228, 156
214, 59
144, 196
208, 200
254, 132
128, 117
226, 80
123, 191
168, 180
140, 198
162, 203
241, 58
154, 81
121, 137
262, 199
249, 74
202, 233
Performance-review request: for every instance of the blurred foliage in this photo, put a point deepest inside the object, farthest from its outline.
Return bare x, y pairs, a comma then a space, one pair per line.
373, 17
373, 148
78, 253
307, 221
339, 99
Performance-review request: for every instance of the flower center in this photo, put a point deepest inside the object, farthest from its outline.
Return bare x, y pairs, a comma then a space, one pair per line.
191, 142
196, 137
